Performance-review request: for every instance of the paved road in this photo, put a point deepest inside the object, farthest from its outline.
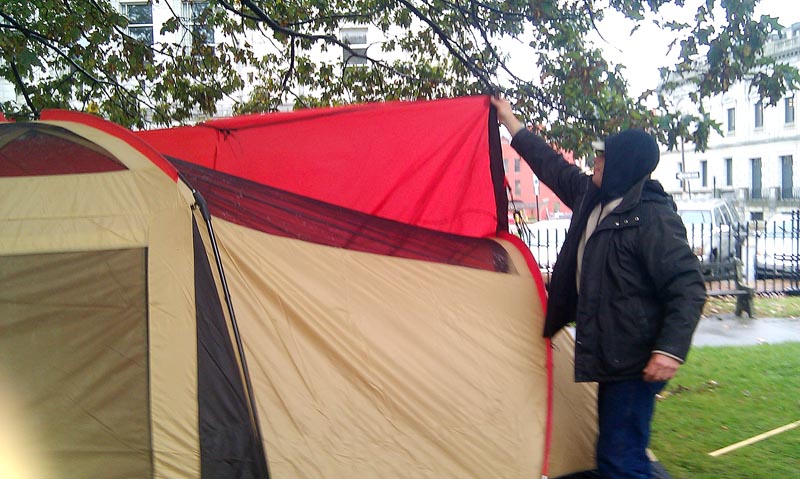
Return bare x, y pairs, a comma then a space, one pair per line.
728, 330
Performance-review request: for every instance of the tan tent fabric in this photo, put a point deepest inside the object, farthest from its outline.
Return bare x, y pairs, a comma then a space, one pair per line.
371, 366
173, 345
574, 413
143, 209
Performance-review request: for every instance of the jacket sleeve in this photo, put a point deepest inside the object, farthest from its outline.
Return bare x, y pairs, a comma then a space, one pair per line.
566, 180
675, 273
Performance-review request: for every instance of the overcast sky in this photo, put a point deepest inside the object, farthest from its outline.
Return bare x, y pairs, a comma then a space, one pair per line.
644, 52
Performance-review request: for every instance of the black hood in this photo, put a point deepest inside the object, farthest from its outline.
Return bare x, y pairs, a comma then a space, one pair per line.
630, 156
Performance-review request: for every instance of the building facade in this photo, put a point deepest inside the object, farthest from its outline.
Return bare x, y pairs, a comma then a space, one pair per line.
754, 163
147, 19
531, 198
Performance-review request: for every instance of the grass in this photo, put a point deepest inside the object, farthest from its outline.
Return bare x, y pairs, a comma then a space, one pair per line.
764, 306
724, 395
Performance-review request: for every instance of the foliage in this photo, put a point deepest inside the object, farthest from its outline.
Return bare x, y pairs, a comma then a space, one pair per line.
725, 395
84, 55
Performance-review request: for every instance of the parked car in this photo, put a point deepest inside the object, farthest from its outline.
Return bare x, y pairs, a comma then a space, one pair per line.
778, 247
546, 239
712, 229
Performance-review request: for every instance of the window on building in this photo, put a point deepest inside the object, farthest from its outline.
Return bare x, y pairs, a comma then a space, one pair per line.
516, 165
356, 40
728, 171
759, 115
193, 14
731, 119
505, 165
517, 187
140, 20
788, 114
704, 172
787, 182
755, 175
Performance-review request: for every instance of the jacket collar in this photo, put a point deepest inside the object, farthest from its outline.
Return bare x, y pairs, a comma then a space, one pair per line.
632, 197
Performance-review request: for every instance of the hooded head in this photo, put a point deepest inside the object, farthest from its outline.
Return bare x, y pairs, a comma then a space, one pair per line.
630, 156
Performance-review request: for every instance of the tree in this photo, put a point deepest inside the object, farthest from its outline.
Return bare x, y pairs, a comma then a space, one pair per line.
87, 54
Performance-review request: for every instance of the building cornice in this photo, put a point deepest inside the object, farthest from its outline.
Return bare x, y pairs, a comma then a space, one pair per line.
739, 144
784, 48
753, 142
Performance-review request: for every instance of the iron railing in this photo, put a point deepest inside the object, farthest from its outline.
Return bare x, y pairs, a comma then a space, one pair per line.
769, 253
790, 193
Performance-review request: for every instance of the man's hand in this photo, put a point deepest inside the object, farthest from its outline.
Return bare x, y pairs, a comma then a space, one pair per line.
506, 116
660, 368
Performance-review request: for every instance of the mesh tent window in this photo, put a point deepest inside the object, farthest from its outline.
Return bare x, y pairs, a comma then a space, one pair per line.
38, 149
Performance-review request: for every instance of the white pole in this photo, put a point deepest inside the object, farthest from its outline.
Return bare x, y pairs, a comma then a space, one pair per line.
747, 442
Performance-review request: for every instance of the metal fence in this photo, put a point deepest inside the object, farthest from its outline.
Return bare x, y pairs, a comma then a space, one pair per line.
767, 252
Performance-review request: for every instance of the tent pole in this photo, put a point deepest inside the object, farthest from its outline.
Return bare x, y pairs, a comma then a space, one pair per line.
201, 203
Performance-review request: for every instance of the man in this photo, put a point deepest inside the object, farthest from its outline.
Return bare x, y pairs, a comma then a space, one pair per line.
628, 279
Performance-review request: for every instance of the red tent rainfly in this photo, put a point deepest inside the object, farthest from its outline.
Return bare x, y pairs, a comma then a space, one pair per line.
426, 163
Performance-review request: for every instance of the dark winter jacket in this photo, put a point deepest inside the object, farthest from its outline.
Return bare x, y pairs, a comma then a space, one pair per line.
641, 289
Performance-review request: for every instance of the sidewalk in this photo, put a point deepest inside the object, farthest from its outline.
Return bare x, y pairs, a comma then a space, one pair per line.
728, 330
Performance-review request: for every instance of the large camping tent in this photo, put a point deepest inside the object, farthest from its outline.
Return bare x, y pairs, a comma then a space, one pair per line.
326, 293
115, 353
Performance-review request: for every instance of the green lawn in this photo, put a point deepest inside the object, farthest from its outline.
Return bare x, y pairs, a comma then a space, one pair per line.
724, 395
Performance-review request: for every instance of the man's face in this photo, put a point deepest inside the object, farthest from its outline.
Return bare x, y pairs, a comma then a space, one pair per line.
599, 163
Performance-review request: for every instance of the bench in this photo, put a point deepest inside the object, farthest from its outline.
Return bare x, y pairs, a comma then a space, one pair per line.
744, 294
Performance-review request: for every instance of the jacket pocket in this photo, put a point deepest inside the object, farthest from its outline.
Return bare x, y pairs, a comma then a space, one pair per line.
625, 337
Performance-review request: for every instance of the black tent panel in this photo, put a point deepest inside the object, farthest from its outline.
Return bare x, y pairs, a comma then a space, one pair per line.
228, 441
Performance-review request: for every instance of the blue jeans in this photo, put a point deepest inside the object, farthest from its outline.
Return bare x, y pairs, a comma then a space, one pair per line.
624, 410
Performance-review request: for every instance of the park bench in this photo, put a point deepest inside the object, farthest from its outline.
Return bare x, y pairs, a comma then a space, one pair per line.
744, 294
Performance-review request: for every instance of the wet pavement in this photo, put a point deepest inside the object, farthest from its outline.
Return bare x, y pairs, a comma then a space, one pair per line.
728, 330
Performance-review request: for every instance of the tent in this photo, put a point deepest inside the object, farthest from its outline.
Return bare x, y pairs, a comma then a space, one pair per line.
116, 358
327, 293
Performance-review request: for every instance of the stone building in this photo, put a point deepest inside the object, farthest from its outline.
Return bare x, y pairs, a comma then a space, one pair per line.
754, 163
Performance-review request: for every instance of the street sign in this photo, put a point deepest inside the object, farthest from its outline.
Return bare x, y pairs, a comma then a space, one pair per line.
687, 175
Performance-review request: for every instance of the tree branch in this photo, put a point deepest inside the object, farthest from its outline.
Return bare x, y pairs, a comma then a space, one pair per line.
25, 94
259, 15
447, 41
47, 42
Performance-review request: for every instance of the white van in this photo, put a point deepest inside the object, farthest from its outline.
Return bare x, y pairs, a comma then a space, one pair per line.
712, 229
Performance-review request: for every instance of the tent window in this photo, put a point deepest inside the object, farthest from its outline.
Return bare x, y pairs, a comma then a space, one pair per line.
38, 149
282, 213
73, 355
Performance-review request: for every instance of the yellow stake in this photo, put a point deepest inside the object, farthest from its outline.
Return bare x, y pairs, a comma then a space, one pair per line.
753, 439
